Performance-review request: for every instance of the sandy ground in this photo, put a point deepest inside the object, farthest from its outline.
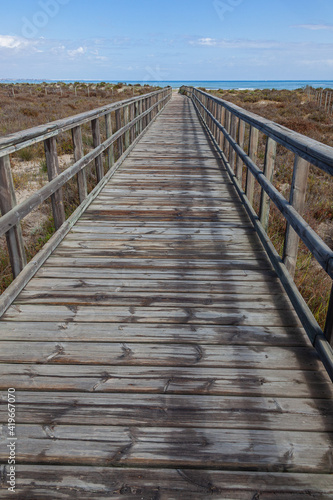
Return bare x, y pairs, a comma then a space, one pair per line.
29, 178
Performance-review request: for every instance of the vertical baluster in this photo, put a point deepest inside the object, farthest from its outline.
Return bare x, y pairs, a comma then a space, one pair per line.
96, 142
14, 236
146, 109
78, 154
118, 126
265, 202
233, 133
207, 114
108, 129
328, 331
211, 109
227, 126
143, 109
52, 163
136, 114
297, 200
222, 121
213, 127
216, 117
219, 118
206, 103
132, 130
142, 106
239, 162
253, 152
126, 121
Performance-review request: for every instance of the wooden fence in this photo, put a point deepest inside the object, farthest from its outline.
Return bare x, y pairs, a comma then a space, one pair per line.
324, 98
131, 116
226, 123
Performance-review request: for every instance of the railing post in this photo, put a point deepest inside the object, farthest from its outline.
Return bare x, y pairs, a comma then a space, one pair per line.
222, 121
118, 126
132, 130
52, 163
215, 116
78, 154
233, 132
96, 142
253, 151
126, 121
14, 236
108, 130
297, 200
239, 163
265, 202
136, 114
228, 127
328, 331
141, 109
145, 120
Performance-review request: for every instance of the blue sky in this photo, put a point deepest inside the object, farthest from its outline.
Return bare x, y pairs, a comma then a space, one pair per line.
174, 40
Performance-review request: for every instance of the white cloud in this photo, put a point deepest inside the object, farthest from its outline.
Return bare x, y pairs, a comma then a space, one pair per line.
77, 52
13, 42
236, 44
206, 41
314, 27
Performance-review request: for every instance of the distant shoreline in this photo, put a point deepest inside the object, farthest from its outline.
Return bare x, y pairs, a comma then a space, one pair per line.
208, 84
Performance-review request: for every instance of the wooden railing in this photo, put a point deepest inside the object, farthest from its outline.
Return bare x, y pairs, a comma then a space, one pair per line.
131, 116
227, 123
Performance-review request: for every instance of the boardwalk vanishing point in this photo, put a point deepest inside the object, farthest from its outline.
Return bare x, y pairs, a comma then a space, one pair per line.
155, 354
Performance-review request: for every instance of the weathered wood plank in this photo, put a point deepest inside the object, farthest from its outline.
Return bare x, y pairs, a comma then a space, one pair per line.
270, 155
104, 314
161, 274
78, 154
14, 238
96, 135
160, 263
169, 410
230, 301
153, 333
66, 482
53, 171
104, 445
297, 200
170, 380
165, 340
121, 354
270, 287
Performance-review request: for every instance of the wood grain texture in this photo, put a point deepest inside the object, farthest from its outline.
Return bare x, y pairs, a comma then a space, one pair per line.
14, 238
286, 451
155, 354
61, 482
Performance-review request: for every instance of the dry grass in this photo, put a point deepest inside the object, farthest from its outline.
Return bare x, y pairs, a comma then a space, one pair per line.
27, 105
294, 110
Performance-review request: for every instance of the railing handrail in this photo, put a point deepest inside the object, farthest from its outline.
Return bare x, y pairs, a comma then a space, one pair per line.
229, 141
130, 125
19, 140
315, 152
11, 218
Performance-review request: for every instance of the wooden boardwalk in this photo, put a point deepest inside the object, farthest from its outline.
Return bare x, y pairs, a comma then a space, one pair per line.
155, 355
